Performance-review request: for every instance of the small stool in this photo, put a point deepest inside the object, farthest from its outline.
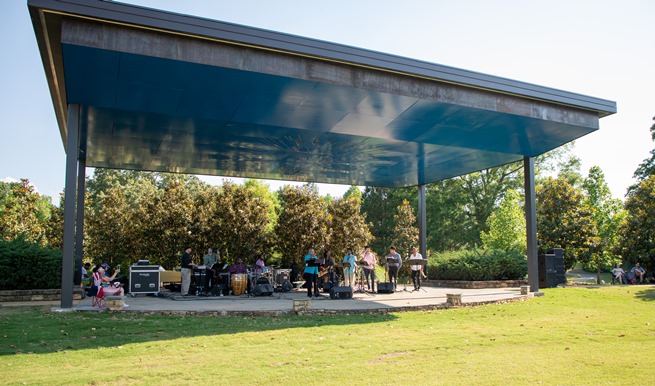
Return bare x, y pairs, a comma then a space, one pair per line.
454, 300
115, 303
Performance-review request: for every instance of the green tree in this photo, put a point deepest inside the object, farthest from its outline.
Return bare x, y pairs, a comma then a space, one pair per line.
108, 225
119, 213
638, 230
348, 227
449, 225
302, 223
354, 191
569, 169
380, 205
608, 214
564, 221
243, 222
405, 235
506, 225
171, 223
23, 212
647, 166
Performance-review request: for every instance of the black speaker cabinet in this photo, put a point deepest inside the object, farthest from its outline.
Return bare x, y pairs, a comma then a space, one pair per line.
262, 290
385, 288
326, 286
341, 292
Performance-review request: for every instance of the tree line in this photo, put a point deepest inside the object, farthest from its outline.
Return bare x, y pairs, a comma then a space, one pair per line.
132, 215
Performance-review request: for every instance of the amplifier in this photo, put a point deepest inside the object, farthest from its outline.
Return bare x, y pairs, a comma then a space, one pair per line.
385, 288
262, 290
341, 292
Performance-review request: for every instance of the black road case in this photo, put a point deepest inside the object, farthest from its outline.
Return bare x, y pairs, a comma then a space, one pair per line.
144, 279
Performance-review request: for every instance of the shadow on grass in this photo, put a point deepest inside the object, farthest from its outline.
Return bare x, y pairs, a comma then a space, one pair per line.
36, 330
646, 294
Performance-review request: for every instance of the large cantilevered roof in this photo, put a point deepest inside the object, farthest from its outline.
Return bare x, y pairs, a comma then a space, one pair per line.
167, 92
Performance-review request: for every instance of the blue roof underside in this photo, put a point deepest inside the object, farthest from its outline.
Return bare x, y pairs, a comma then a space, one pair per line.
149, 113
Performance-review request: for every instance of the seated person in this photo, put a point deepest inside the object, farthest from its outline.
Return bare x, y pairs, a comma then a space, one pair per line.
86, 275
260, 267
639, 272
100, 280
238, 267
618, 274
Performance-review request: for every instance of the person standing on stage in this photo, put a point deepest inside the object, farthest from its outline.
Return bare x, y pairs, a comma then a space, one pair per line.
416, 269
369, 268
311, 273
394, 266
209, 259
349, 272
187, 270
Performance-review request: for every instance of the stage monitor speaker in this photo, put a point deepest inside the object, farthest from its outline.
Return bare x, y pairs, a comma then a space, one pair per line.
287, 286
262, 290
385, 288
341, 292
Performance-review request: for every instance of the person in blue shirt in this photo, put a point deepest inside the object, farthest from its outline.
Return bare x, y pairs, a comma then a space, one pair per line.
349, 273
311, 274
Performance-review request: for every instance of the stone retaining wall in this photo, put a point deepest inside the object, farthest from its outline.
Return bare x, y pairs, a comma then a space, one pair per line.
475, 284
36, 295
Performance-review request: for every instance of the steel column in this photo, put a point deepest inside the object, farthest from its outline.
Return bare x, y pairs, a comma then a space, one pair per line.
79, 222
422, 227
72, 139
531, 223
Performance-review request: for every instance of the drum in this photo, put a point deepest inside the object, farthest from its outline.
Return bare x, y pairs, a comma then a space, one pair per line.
239, 283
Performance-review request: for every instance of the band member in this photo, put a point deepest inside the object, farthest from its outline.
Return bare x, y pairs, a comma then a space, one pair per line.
260, 267
238, 267
209, 259
186, 270
349, 272
394, 266
369, 267
328, 266
311, 273
417, 269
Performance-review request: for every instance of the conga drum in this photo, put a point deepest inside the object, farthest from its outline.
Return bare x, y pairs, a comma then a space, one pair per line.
239, 283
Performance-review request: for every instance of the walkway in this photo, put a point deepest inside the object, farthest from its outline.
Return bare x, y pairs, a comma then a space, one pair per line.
282, 302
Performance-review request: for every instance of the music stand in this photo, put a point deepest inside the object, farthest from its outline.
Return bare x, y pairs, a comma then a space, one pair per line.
315, 262
422, 263
361, 264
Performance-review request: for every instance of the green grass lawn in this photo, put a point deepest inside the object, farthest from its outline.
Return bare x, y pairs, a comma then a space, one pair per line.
587, 335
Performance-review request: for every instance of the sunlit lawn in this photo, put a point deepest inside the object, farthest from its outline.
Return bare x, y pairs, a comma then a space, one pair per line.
570, 336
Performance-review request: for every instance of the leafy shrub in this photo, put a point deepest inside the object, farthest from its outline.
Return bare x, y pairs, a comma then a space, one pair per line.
478, 265
24, 265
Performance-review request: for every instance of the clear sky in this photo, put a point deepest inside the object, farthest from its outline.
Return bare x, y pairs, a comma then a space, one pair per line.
594, 47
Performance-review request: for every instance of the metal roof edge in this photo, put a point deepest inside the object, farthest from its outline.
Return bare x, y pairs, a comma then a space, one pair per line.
239, 34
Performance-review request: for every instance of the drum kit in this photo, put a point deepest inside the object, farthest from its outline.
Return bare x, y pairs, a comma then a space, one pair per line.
244, 283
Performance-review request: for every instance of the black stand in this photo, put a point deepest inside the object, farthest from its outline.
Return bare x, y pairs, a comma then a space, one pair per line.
361, 288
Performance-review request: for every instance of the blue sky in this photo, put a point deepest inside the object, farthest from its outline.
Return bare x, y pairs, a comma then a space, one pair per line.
598, 48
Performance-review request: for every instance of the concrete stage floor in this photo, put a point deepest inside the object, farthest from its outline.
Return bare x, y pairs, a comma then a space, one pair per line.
281, 303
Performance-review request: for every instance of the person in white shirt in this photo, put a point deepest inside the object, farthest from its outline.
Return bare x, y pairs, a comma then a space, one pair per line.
417, 269
618, 273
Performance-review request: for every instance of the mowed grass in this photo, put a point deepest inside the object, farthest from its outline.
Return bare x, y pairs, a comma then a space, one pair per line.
583, 335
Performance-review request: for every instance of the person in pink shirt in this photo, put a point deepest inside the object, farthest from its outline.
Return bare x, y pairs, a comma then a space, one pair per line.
369, 268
